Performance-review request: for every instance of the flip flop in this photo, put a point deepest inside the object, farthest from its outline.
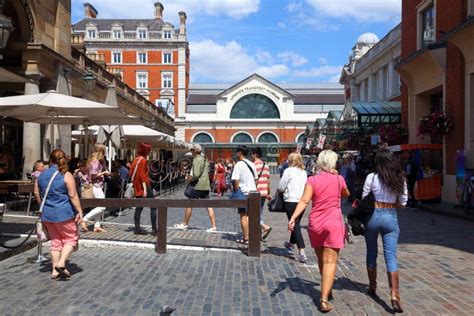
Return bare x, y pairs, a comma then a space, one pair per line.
266, 232
242, 241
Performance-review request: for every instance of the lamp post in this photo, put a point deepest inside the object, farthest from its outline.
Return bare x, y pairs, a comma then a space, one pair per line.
6, 27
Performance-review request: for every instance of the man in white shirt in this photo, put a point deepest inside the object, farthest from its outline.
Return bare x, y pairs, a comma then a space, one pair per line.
243, 178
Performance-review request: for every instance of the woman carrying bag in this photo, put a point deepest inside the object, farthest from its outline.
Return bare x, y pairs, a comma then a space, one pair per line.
95, 176
61, 211
389, 187
292, 186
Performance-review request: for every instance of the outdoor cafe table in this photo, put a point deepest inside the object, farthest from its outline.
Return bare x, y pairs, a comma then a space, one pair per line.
19, 187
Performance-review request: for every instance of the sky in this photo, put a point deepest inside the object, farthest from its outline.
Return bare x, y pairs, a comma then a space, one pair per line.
281, 40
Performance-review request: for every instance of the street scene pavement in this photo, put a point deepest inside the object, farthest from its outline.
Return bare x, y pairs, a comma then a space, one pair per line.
217, 278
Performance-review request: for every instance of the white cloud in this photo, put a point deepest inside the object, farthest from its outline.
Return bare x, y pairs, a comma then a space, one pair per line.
360, 10
317, 72
335, 78
323, 61
145, 9
281, 25
294, 6
211, 61
264, 57
293, 58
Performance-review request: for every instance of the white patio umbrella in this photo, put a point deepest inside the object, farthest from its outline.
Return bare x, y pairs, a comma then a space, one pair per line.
55, 108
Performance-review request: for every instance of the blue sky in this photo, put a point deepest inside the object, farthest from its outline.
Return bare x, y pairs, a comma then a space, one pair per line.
282, 40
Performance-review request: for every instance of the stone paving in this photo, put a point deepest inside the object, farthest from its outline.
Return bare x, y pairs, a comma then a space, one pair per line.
435, 255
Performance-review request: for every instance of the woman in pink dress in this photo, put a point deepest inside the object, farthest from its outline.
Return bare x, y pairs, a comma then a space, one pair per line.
326, 227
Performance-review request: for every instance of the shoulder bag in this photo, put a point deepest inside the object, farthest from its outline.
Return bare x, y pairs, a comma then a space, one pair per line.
129, 190
41, 231
360, 215
345, 224
277, 205
87, 191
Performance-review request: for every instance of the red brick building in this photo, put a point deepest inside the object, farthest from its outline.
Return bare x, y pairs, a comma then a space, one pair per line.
150, 55
437, 70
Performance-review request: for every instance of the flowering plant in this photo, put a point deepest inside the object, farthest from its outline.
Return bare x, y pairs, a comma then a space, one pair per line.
435, 124
392, 134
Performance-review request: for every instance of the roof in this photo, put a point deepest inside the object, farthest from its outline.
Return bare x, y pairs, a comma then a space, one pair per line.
300, 99
320, 99
258, 77
127, 24
334, 115
377, 108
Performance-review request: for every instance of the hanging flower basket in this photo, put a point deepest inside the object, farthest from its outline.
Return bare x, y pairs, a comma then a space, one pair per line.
435, 125
392, 133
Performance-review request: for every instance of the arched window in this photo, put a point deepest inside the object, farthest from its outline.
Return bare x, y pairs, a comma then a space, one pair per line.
242, 138
301, 139
255, 106
202, 138
267, 138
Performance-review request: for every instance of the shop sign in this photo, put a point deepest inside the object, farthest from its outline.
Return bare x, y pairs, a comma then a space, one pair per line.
254, 89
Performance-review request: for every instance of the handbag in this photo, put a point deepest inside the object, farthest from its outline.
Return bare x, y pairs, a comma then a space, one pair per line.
129, 190
276, 204
41, 230
87, 191
345, 224
360, 215
237, 195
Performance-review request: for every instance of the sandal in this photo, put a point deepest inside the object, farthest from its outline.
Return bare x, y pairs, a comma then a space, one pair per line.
63, 272
266, 232
324, 306
99, 230
242, 241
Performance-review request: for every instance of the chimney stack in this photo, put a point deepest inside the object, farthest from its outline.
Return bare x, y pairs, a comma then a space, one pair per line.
90, 11
182, 23
159, 11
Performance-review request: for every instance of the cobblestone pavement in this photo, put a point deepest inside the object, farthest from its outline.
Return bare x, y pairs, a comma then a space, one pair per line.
436, 275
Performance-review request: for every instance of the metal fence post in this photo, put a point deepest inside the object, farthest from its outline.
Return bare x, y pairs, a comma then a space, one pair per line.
161, 230
255, 232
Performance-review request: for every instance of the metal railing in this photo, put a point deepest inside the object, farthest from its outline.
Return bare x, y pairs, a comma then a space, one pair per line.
252, 204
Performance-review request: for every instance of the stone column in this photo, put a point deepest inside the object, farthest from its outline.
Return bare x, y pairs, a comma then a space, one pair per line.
31, 136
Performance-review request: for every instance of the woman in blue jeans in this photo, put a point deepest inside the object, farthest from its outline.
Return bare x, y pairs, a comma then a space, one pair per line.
389, 187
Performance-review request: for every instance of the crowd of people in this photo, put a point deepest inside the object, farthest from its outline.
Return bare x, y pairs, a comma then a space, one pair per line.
325, 187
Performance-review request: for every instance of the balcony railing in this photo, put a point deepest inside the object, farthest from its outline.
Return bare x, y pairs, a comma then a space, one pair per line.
125, 37
84, 63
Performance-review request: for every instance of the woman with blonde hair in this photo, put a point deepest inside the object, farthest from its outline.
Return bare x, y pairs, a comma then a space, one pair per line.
95, 176
326, 227
61, 211
291, 185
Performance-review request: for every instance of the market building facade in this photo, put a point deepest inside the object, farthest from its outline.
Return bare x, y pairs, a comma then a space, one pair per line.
371, 83
149, 55
437, 69
257, 112
37, 57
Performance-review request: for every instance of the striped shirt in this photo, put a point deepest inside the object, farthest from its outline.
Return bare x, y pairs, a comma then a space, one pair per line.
263, 181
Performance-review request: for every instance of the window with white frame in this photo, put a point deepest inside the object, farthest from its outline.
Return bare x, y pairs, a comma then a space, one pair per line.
167, 34
116, 58
91, 33
142, 33
427, 26
167, 58
117, 34
142, 80
167, 80
142, 58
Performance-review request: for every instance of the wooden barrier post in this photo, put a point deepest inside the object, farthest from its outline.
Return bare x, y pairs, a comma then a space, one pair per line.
161, 230
255, 232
